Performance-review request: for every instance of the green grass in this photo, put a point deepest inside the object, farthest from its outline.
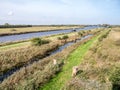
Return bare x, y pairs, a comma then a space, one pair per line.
75, 58
22, 44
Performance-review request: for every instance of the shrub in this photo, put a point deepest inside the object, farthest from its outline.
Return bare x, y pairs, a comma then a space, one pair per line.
13, 30
83, 31
115, 76
103, 36
45, 41
65, 37
38, 41
79, 33
59, 38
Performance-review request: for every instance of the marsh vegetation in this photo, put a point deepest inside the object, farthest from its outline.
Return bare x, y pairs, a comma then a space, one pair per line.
97, 58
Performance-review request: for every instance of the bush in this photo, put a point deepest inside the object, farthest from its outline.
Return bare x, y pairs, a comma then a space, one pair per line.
45, 41
38, 41
115, 78
59, 38
65, 37
13, 30
103, 36
79, 33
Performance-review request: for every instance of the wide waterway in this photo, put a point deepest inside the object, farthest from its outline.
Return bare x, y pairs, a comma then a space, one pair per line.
26, 36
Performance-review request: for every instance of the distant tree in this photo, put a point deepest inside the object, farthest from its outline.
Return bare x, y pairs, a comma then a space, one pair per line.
6, 24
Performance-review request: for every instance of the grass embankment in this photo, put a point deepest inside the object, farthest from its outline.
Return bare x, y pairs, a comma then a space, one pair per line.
38, 73
15, 45
26, 43
15, 58
74, 59
20, 44
10, 31
100, 68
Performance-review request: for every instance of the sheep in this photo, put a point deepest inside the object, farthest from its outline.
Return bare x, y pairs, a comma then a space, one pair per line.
54, 61
74, 71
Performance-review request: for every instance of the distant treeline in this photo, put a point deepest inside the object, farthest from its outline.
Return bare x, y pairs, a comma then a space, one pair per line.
54, 25
14, 26
20, 26
115, 25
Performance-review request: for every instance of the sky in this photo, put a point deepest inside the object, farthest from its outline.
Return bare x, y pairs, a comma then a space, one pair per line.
41, 12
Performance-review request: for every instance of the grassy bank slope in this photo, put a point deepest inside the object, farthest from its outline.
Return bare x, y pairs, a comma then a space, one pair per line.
74, 59
25, 43
21, 44
100, 69
16, 45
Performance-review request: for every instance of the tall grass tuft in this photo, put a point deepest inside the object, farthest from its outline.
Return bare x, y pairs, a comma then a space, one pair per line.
39, 41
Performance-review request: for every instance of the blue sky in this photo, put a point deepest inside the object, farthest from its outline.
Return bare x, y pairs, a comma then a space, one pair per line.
60, 11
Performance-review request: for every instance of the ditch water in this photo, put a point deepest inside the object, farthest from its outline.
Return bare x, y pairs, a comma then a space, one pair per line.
26, 36
13, 70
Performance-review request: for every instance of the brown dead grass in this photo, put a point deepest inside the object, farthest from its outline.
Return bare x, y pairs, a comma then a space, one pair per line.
10, 58
98, 64
37, 74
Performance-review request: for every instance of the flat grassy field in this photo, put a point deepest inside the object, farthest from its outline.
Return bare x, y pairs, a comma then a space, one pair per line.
9, 31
